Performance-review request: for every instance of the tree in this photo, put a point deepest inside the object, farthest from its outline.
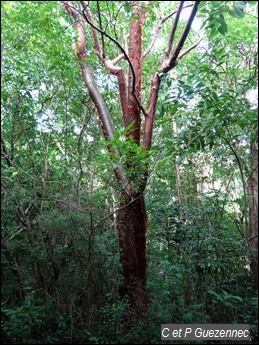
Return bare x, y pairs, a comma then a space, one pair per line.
67, 185
131, 171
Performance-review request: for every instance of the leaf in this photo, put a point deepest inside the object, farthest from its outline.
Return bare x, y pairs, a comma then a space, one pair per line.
179, 160
135, 17
239, 12
127, 129
162, 162
223, 28
127, 8
114, 166
215, 294
238, 298
204, 23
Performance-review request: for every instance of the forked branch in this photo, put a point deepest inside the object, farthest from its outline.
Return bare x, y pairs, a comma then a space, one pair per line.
167, 65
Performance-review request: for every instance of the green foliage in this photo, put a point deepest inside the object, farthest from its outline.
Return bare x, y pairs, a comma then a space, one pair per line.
199, 269
61, 271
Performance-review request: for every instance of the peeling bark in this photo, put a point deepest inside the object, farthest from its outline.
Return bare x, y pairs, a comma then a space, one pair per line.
132, 217
168, 64
135, 75
150, 114
132, 224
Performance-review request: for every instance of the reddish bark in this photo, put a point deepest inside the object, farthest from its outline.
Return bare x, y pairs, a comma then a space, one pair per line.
150, 113
132, 224
135, 75
132, 220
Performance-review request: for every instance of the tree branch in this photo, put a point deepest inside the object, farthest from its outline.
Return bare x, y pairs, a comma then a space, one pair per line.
5, 153
102, 110
110, 38
135, 75
171, 38
172, 62
118, 59
118, 209
100, 23
149, 119
189, 49
109, 65
158, 28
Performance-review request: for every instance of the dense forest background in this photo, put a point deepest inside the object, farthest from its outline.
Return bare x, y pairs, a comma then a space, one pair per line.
79, 185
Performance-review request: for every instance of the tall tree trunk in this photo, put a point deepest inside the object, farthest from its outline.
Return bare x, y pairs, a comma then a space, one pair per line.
132, 219
132, 225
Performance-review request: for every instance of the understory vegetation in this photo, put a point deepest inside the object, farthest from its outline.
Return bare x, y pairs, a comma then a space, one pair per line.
63, 265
